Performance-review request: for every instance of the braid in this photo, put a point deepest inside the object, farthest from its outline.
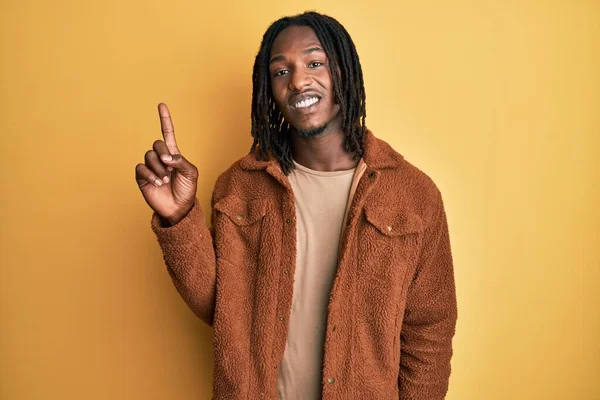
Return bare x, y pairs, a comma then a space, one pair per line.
269, 129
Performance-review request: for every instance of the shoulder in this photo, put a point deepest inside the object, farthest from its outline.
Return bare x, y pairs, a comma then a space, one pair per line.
423, 186
405, 184
245, 178
402, 173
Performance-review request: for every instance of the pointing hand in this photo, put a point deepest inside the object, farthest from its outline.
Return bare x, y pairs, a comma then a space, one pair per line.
166, 179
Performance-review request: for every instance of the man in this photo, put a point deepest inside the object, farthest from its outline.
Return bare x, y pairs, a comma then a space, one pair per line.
327, 272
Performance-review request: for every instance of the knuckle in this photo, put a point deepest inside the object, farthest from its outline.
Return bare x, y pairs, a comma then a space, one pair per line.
156, 144
149, 154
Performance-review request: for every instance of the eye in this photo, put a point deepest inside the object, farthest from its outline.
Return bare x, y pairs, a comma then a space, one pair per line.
315, 64
281, 72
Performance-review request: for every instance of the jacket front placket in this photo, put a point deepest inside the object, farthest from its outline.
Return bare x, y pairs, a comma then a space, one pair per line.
339, 332
287, 269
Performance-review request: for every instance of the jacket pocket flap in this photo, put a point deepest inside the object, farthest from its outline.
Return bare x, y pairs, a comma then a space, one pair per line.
242, 212
392, 222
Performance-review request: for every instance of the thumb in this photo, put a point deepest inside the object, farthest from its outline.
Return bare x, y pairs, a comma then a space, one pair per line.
181, 164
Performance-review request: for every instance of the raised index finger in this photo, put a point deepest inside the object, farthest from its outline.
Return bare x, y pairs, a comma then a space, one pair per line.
166, 126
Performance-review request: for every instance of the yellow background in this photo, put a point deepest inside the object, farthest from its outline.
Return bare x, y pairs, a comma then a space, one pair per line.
497, 101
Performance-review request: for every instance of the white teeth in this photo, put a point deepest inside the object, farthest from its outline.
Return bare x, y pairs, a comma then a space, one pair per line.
306, 103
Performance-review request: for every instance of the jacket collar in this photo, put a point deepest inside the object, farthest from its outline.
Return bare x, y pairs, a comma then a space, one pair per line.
378, 155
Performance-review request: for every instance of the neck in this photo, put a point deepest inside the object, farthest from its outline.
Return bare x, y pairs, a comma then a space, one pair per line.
324, 152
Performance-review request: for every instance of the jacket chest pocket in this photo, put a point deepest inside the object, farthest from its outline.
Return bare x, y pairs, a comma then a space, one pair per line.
389, 243
238, 226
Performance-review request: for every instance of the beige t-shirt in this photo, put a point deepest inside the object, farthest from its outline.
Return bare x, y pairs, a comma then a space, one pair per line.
322, 200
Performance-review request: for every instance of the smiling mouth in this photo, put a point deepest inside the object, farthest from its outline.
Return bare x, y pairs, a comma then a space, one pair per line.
306, 103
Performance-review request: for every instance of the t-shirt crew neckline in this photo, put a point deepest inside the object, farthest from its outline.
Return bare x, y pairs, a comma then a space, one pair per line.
323, 173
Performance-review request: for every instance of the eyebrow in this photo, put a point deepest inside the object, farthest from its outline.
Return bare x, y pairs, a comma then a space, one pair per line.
304, 52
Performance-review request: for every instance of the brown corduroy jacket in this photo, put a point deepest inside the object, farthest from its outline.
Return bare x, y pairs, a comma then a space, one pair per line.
392, 309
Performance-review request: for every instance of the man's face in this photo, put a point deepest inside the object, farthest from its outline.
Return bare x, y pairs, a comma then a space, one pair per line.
301, 81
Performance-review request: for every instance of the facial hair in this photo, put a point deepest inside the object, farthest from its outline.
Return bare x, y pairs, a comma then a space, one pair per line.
312, 132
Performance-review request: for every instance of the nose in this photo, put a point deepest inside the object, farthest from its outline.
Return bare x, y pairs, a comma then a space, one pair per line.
299, 79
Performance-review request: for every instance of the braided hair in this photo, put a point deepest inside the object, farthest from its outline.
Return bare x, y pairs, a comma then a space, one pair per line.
269, 129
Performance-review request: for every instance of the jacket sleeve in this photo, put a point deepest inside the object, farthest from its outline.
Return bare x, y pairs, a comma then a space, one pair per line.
430, 317
189, 255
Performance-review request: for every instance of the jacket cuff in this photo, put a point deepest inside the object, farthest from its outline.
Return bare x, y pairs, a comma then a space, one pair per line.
190, 227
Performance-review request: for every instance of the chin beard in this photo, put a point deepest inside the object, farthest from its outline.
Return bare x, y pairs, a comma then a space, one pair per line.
311, 132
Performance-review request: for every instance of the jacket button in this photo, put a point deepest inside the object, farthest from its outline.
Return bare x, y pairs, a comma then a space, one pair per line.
281, 319
371, 174
239, 217
288, 221
285, 271
390, 228
334, 328
331, 380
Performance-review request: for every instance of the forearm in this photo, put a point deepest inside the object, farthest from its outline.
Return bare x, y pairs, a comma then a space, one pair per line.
189, 254
430, 318
426, 351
